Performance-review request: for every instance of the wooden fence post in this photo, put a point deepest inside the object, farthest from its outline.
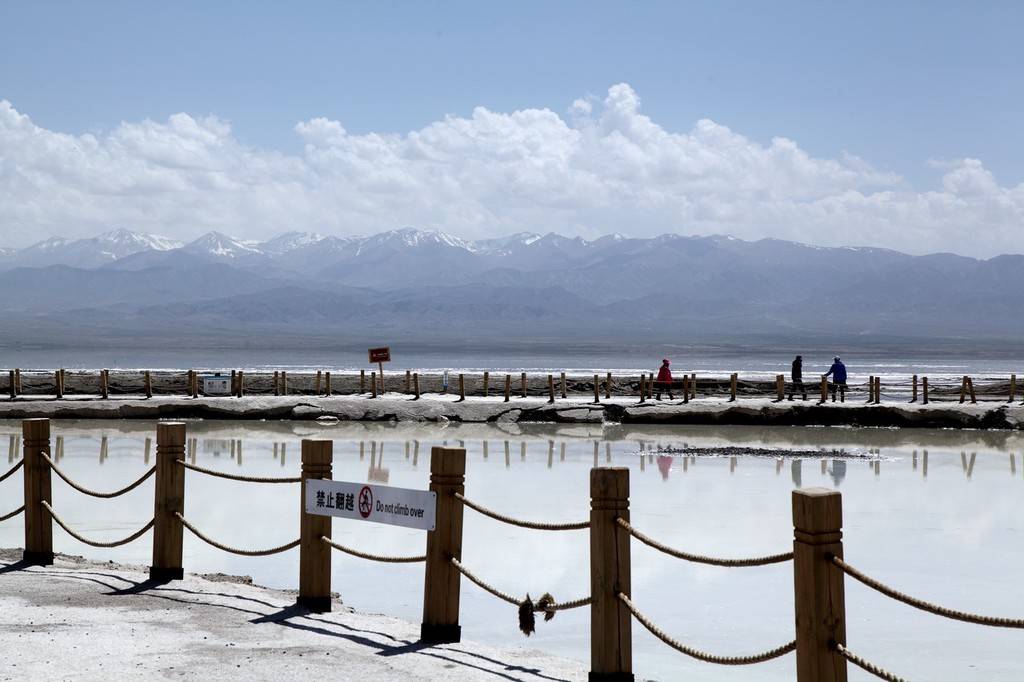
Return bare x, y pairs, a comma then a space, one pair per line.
314, 553
277, 383
104, 385
608, 386
780, 387
818, 585
693, 385
13, 386
563, 385
551, 388
63, 382
970, 388
17, 381
924, 390
195, 384
362, 381
327, 384
168, 501
522, 381
56, 383
597, 390
284, 382
147, 384
319, 381
38, 524
733, 378
441, 579
686, 389
643, 389
241, 383
487, 384
913, 397
373, 384
1013, 387
871, 389
878, 390
611, 645
963, 388
462, 387
416, 384
824, 390
508, 387
234, 382
408, 381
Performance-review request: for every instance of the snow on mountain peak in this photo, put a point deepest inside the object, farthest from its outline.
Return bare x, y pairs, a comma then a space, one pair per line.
221, 245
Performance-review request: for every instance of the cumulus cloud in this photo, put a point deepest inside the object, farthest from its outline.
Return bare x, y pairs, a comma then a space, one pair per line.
602, 167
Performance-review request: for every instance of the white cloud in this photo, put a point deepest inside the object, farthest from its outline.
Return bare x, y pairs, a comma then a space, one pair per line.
604, 168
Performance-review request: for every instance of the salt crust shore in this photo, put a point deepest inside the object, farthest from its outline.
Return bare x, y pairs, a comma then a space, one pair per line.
398, 407
100, 621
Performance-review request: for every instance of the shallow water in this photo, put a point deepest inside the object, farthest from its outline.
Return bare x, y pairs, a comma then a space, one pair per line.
946, 525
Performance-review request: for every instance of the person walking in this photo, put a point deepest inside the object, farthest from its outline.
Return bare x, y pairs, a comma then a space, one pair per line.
664, 380
797, 376
838, 372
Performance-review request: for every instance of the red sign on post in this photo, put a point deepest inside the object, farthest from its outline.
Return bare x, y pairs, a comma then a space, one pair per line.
380, 354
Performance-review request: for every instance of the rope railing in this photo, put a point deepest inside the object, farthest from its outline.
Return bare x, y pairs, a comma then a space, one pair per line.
11, 471
95, 543
865, 665
533, 525
93, 493
697, 558
238, 477
373, 557
923, 605
234, 550
12, 514
703, 655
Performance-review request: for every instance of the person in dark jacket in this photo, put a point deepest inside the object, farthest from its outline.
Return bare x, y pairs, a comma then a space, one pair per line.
797, 375
664, 380
838, 372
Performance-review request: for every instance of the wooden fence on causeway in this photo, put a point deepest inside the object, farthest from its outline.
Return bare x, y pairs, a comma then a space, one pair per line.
819, 566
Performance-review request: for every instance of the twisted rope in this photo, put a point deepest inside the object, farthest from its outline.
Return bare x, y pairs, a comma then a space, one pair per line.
923, 605
242, 552
10, 471
237, 477
373, 557
551, 607
533, 525
701, 655
866, 665
95, 543
13, 513
82, 489
697, 558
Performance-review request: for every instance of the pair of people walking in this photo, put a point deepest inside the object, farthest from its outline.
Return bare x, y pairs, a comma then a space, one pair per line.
837, 371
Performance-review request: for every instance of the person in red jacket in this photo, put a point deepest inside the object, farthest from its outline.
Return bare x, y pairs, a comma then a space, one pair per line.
664, 380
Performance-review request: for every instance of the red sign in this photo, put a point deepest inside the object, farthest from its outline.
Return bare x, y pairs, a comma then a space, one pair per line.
380, 354
365, 501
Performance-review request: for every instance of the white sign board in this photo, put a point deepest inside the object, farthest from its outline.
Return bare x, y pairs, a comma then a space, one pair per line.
376, 503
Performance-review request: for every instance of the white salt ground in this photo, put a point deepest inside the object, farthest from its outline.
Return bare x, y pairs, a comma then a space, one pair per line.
96, 621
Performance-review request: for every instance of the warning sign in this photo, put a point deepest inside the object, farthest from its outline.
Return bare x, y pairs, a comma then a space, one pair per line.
376, 503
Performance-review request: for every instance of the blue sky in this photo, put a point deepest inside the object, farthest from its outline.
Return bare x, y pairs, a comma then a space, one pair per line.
900, 86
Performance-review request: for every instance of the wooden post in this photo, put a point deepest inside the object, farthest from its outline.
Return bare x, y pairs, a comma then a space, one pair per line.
508, 387
277, 383
551, 388
462, 387
408, 381
38, 524
1013, 387
818, 585
878, 390
780, 387
487, 384
63, 385
597, 390
60, 393
963, 388
195, 384
611, 647
824, 390
924, 390
522, 381
314, 553
327, 383
168, 501
362, 381
643, 389
241, 383
234, 382
373, 384
970, 387
686, 389
871, 389
608, 386
104, 387
563, 385
13, 388
442, 580
147, 383
319, 381
693, 385
284, 382
17, 381
913, 397
416, 384
733, 379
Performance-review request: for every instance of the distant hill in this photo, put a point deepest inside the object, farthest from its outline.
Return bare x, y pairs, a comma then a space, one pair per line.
431, 286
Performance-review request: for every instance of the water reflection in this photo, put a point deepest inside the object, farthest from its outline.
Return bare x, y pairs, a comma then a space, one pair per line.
926, 510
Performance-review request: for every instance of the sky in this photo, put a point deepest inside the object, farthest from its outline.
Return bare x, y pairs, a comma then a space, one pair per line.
884, 124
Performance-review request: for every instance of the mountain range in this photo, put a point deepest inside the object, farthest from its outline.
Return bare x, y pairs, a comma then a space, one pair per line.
431, 287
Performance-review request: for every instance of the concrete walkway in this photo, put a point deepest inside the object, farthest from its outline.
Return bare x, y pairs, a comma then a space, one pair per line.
94, 621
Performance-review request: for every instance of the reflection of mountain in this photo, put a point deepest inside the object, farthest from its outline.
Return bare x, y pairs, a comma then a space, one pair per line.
429, 287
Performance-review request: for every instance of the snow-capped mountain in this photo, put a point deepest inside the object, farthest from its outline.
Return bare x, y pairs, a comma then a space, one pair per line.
87, 253
219, 246
290, 241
